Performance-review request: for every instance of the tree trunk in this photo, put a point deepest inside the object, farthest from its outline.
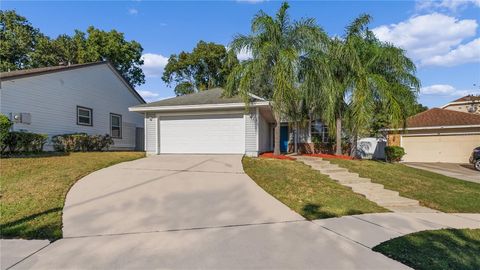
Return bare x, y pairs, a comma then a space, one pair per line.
296, 137
338, 134
276, 150
353, 151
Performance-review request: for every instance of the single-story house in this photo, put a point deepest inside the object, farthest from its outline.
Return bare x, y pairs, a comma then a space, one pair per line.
447, 134
88, 98
208, 123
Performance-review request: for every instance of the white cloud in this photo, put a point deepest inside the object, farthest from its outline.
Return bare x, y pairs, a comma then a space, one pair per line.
465, 53
148, 95
153, 64
451, 5
133, 11
446, 90
427, 36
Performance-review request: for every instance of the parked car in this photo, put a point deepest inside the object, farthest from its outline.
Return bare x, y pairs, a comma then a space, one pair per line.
475, 158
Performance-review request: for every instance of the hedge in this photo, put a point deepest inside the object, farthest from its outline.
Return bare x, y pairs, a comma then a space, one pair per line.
394, 153
81, 142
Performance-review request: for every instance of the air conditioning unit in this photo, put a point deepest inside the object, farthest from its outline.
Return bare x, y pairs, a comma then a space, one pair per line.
24, 118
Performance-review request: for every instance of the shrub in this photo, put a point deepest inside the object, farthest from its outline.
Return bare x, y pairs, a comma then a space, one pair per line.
394, 153
5, 125
81, 142
20, 141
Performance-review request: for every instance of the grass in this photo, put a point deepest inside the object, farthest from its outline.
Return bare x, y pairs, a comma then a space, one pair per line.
306, 191
433, 190
33, 190
440, 249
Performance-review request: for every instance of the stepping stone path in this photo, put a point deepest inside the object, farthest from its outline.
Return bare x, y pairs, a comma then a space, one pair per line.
374, 192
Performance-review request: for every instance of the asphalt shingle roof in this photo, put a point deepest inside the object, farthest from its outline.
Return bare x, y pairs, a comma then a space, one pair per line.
211, 96
468, 98
442, 117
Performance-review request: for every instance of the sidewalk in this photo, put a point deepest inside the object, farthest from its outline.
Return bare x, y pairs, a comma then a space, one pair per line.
335, 243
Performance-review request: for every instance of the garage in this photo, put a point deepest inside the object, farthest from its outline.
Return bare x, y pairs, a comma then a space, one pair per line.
439, 148
204, 134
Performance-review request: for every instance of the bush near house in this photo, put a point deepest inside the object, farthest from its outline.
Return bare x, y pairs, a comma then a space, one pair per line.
24, 142
394, 153
81, 142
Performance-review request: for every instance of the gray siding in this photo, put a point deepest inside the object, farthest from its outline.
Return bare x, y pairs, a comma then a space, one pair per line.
52, 101
251, 132
151, 132
264, 135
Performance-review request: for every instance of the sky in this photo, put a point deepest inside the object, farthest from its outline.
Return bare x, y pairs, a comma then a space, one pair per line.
441, 37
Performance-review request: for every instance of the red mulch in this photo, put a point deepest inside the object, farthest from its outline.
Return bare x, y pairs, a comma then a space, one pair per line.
329, 156
271, 155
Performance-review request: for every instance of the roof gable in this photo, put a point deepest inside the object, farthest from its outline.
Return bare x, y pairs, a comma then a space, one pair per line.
206, 97
11, 75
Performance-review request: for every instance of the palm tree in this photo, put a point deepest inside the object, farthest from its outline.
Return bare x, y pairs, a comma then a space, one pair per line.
277, 45
355, 75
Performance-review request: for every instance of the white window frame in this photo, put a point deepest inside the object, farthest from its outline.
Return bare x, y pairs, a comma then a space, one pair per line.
119, 126
90, 117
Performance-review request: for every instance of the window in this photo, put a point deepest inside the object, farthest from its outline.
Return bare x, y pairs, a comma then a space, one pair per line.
116, 125
84, 116
320, 131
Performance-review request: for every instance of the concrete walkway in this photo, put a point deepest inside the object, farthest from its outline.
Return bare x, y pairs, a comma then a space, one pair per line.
183, 212
460, 171
374, 192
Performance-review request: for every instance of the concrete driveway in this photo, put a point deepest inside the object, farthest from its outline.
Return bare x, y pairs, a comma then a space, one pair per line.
169, 192
191, 212
461, 171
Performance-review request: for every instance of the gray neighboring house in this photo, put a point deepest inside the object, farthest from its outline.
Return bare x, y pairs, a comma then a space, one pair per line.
92, 98
207, 123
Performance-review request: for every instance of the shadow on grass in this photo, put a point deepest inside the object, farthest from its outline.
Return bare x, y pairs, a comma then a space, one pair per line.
439, 249
21, 227
36, 155
313, 211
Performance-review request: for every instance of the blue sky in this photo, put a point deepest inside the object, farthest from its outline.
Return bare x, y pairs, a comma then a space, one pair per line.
442, 37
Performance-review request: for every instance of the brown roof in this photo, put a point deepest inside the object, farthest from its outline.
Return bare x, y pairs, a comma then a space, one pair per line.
439, 117
467, 98
43, 70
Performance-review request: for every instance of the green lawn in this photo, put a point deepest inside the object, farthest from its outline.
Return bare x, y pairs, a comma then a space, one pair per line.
440, 249
306, 191
33, 190
433, 190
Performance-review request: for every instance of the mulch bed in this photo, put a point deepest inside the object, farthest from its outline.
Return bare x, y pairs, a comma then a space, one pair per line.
271, 155
329, 156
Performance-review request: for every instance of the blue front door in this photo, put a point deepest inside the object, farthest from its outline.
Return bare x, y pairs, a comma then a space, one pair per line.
283, 138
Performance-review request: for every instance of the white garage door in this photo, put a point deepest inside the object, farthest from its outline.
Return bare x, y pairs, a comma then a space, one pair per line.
453, 148
210, 134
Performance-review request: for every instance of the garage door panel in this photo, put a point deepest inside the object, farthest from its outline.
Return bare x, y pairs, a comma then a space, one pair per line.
450, 148
217, 134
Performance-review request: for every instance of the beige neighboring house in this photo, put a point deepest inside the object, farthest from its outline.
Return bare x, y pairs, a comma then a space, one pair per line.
446, 134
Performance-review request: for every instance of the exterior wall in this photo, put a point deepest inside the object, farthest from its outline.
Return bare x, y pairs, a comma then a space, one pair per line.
251, 133
462, 107
264, 135
151, 132
52, 100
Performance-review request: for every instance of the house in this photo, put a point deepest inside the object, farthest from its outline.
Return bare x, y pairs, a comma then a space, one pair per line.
90, 98
446, 134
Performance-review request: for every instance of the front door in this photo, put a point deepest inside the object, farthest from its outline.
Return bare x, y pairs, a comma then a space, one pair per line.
283, 138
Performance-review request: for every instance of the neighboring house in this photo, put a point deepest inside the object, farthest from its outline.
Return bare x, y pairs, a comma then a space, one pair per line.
91, 98
446, 134
208, 123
